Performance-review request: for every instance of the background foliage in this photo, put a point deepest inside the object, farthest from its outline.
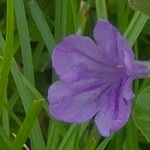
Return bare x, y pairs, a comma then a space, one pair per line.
29, 30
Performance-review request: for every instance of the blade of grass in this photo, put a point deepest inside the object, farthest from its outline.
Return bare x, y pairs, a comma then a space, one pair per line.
6, 63
53, 137
1, 43
24, 39
119, 140
8, 53
27, 97
122, 14
83, 127
72, 141
42, 25
82, 17
135, 27
101, 9
60, 19
4, 140
73, 8
66, 138
29, 88
131, 142
28, 123
104, 143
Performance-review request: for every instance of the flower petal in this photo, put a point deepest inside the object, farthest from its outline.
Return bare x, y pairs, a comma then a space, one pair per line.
75, 102
137, 69
127, 90
108, 37
124, 48
114, 113
78, 57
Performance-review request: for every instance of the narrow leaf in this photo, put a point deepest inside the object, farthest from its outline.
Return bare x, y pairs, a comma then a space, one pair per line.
101, 9
8, 53
27, 97
60, 19
4, 139
24, 39
142, 5
135, 27
28, 123
104, 143
66, 138
42, 25
2, 42
141, 112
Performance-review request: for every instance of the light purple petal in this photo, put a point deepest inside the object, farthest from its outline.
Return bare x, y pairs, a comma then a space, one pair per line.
78, 57
109, 38
106, 37
124, 48
137, 69
115, 112
127, 92
76, 102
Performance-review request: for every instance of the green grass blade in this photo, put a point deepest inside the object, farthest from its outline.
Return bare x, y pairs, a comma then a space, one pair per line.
60, 19
143, 5
27, 97
83, 127
104, 143
122, 14
42, 25
28, 123
66, 138
2, 42
101, 9
6, 63
135, 27
82, 17
53, 137
131, 141
8, 53
24, 87
4, 140
24, 39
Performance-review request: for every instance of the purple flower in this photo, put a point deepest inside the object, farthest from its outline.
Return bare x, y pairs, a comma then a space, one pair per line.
95, 79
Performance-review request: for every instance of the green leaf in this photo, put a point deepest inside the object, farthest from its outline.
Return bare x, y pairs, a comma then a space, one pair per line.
6, 63
42, 25
60, 19
104, 143
28, 123
8, 53
101, 9
141, 112
82, 17
122, 14
135, 27
24, 39
4, 139
131, 140
2, 42
27, 97
53, 137
142, 5
66, 138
